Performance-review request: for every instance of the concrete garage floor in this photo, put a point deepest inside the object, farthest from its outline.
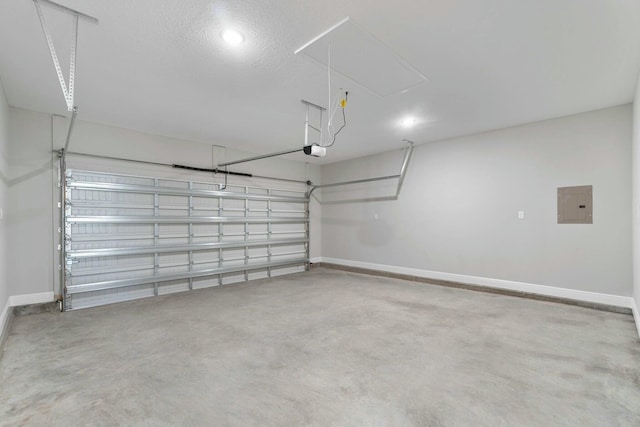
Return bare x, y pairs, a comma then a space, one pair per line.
324, 348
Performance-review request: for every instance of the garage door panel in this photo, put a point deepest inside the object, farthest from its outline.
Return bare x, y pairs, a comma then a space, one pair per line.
110, 296
173, 287
130, 237
230, 278
205, 282
258, 274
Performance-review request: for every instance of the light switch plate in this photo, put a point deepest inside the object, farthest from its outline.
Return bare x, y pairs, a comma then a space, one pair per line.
520, 214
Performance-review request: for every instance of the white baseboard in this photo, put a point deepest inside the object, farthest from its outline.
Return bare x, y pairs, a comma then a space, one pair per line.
636, 315
315, 260
551, 291
26, 299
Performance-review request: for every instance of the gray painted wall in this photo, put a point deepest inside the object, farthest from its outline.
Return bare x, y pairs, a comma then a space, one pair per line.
636, 201
29, 222
33, 220
457, 211
4, 183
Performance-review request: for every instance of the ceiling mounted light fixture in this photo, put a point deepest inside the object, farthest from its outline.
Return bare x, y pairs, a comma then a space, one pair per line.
408, 122
232, 37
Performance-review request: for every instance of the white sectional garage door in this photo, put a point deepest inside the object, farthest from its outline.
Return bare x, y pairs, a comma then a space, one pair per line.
130, 237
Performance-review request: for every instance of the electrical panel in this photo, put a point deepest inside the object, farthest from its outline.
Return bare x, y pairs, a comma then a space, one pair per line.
575, 205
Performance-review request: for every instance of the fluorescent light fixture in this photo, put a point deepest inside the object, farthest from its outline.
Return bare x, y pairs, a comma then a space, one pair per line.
408, 121
232, 37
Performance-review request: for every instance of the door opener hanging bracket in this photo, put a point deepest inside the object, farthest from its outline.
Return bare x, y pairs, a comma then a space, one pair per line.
308, 125
309, 148
67, 90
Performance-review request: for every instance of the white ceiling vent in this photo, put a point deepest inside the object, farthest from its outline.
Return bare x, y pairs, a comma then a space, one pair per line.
362, 58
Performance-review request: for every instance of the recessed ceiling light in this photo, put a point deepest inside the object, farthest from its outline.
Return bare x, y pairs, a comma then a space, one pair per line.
232, 37
408, 121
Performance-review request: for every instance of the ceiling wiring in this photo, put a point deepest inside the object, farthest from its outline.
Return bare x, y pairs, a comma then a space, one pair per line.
343, 104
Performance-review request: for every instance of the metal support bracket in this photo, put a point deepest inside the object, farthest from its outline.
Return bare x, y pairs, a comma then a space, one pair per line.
400, 177
307, 126
67, 90
63, 152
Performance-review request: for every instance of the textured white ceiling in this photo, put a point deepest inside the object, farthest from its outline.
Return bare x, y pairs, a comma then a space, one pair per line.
355, 54
158, 66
